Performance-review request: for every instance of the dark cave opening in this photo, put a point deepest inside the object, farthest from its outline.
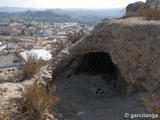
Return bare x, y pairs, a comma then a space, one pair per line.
100, 63
97, 63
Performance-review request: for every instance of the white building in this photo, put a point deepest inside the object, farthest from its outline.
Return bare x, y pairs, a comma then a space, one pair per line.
38, 53
3, 47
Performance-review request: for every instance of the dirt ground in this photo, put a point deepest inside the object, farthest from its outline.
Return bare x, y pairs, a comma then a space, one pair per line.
91, 97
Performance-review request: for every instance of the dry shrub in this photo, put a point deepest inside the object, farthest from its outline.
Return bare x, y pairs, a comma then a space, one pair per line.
5, 116
36, 100
150, 13
7, 111
77, 35
72, 38
58, 46
152, 104
30, 67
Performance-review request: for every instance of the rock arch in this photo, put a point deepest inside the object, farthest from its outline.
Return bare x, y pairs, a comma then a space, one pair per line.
133, 47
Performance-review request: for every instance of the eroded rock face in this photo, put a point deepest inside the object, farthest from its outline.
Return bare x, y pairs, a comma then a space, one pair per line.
134, 8
152, 1
134, 47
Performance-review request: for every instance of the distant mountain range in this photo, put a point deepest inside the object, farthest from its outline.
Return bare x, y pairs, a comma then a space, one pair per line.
17, 9
108, 12
88, 16
103, 13
34, 13
44, 13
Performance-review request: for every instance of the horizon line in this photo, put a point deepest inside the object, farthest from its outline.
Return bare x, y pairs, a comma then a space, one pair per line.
58, 8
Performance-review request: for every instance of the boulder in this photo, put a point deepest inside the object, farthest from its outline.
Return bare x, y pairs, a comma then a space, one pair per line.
134, 8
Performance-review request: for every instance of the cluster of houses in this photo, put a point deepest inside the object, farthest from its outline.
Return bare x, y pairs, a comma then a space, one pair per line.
6, 46
9, 63
21, 27
18, 38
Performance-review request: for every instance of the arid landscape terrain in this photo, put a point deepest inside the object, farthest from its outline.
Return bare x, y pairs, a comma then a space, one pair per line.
72, 64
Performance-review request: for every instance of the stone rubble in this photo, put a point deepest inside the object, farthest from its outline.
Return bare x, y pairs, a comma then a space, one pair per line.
11, 92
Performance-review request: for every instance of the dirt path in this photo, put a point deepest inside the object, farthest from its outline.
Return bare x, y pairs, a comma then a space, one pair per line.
85, 97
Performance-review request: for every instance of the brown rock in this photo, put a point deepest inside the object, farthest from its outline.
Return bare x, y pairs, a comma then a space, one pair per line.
48, 116
132, 44
134, 8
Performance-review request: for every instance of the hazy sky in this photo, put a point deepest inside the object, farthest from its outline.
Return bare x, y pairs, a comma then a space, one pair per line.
67, 3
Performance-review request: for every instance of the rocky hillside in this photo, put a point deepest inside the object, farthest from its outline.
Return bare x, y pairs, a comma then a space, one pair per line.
133, 44
118, 55
10, 93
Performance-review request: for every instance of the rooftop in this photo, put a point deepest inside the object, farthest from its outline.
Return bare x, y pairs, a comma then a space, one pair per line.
7, 59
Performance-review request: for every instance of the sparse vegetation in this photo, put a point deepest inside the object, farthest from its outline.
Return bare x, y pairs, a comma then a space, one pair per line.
75, 36
57, 47
30, 67
152, 104
36, 100
5, 116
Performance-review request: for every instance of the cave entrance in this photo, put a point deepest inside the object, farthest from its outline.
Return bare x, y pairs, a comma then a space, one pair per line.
97, 63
